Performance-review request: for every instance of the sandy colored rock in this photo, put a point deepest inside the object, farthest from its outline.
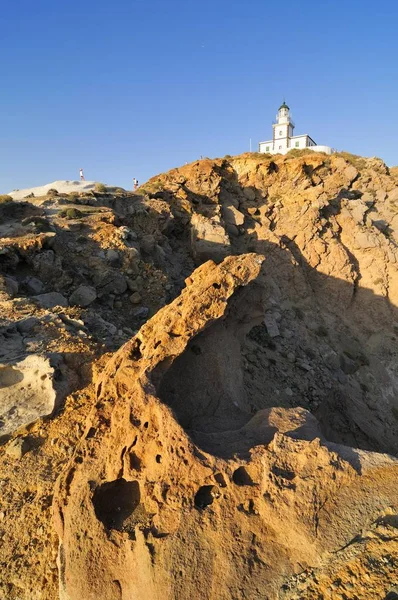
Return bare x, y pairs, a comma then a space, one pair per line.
233, 216
17, 448
328, 228
144, 479
26, 392
209, 238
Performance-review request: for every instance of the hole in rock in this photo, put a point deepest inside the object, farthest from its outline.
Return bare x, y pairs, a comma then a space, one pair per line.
115, 501
205, 385
134, 420
165, 489
135, 462
204, 496
91, 433
242, 477
118, 587
158, 458
219, 477
135, 353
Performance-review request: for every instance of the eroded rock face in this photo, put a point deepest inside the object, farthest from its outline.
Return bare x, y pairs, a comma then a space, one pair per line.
328, 228
309, 349
177, 490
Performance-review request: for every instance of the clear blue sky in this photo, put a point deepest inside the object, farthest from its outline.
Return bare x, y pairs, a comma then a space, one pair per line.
130, 88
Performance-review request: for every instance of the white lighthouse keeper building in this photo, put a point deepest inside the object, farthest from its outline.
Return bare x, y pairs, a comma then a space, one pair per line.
283, 139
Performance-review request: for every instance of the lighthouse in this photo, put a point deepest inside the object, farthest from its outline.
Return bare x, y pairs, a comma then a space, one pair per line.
283, 139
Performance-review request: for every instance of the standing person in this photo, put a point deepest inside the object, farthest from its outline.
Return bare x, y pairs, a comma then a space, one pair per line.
81, 175
134, 183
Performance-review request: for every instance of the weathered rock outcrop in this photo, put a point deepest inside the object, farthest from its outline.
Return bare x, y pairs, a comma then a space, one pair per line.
293, 378
326, 225
267, 509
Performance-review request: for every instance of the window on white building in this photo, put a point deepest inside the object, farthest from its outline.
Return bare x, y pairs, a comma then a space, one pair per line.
297, 144
280, 133
267, 148
280, 147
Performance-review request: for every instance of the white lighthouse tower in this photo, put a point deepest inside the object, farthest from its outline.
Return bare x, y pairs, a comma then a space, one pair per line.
283, 129
283, 139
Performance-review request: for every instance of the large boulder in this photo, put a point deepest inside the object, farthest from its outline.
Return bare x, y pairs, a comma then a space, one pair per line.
26, 392
8, 287
51, 299
148, 243
83, 296
109, 282
33, 285
47, 265
209, 239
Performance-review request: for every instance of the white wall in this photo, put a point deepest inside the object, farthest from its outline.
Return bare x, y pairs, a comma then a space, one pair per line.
280, 146
262, 146
302, 139
281, 129
326, 149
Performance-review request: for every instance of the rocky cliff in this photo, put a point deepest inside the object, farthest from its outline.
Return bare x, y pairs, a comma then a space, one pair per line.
241, 441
